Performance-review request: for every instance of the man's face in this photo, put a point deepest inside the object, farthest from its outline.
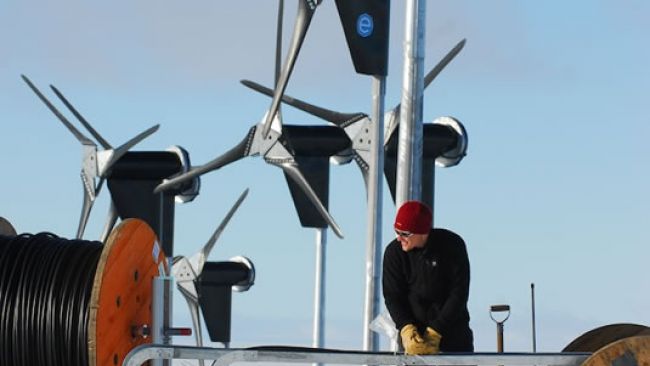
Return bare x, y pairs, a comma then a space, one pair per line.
410, 241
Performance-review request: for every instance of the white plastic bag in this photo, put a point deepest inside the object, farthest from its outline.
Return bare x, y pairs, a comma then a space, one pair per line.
384, 324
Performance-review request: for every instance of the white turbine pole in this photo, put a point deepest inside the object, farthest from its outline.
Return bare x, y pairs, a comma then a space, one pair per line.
373, 234
319, 289
409, 149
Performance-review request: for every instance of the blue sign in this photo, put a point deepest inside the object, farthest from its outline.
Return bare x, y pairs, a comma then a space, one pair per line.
365, 25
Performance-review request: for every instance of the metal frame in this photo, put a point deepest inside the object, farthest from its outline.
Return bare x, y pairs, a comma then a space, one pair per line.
225, 357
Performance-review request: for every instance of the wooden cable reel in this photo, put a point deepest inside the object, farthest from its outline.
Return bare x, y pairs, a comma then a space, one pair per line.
631, 351
121, 299
76, 302
621, 344
600, 337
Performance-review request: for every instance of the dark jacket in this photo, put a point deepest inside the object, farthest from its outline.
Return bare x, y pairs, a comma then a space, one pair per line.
429, 287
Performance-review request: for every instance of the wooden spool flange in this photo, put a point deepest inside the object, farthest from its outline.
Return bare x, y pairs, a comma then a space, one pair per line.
598, 338
121, 298
5, 227
632, 351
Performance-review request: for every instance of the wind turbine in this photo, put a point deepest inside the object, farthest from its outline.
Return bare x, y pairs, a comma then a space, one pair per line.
96, 165
280, 145
188, 271
447, 138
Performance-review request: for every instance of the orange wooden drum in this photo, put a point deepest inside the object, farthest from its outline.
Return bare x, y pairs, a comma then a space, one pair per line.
121, 298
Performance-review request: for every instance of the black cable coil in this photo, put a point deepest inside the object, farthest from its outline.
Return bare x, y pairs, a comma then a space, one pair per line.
45, 288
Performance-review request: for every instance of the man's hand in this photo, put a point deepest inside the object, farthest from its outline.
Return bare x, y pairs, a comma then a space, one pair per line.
414, 343
432, 338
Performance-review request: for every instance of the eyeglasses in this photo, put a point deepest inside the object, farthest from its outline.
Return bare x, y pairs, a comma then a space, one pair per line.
403, 234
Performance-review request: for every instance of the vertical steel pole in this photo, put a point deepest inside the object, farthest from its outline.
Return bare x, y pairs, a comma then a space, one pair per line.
532, 295
374, 216
409, 150
319, 289
160, 306
166, 218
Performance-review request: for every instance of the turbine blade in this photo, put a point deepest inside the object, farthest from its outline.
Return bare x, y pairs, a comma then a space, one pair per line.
303, 19
278, 42
80, 136
116, 154
196, 321
110, 222
363, 166
336, 118
85, 213
239, 151
292, 170
440, 66
207, 248
120, 151
443, 63
278, 52
81, 119
432, 74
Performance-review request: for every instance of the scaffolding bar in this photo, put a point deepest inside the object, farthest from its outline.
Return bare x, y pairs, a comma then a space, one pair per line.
224, 357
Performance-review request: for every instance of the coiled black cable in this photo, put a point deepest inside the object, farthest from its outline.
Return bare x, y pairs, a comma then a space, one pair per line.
45, 288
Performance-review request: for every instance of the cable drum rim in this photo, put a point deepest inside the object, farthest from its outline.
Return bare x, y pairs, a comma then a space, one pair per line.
6, 228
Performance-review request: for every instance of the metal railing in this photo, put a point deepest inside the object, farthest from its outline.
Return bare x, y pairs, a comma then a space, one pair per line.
224, 357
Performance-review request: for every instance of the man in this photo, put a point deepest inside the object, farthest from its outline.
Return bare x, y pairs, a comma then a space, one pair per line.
426, 284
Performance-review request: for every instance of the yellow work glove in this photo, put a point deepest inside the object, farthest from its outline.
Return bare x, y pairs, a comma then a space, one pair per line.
432, 338
413, 342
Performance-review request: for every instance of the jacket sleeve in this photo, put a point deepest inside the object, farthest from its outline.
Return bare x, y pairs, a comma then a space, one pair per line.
395, 289
455, 305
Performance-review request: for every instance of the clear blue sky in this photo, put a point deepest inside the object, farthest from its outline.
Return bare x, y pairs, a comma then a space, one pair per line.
554, 95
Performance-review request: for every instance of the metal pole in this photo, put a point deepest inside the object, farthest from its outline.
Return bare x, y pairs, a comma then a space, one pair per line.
166, 218
319, 289
409, 150
159, 307
532, 295
375, 202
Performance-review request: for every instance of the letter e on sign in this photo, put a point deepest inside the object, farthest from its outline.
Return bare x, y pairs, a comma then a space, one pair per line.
365, 25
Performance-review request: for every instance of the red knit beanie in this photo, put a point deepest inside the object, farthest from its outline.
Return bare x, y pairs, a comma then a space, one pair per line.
414, 217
